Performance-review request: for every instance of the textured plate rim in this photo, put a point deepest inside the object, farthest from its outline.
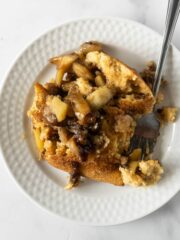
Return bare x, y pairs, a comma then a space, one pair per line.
11, 65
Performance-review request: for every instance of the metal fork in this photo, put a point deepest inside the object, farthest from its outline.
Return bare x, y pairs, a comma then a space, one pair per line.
147, 129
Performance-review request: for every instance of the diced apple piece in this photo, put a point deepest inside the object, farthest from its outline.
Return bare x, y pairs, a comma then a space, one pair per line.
63, 63
79, 104
59, 108
84, 87
67, 85
63, 135
89, 47
133, 166
135, 155
99, 81
100, 97
82, 71
59, 76
38, 140
40, 94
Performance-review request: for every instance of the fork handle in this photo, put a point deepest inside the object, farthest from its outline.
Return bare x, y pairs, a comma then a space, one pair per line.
171, 19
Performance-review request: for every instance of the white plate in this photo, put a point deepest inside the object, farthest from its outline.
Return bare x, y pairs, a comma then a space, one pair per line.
91, 203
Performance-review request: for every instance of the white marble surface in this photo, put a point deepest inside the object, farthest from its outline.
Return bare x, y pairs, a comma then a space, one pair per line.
20, 22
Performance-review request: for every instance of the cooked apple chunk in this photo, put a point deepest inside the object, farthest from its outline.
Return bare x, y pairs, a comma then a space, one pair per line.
89, 47
79, 104
84, 87
82, 71
99, 81
38, 140
59, 108
63, 63
100, 97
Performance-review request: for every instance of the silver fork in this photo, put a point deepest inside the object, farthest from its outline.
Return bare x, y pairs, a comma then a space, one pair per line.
147, 129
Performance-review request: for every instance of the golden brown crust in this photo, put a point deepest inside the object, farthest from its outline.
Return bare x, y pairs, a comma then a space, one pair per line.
140, 106
97, 171
125, 79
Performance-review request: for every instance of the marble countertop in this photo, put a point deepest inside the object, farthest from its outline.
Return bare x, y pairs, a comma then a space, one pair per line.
22, 21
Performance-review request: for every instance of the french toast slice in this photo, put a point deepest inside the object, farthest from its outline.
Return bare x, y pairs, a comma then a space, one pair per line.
83, 120
137, 97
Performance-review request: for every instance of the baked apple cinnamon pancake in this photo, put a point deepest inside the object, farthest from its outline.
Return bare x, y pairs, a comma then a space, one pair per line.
84, 118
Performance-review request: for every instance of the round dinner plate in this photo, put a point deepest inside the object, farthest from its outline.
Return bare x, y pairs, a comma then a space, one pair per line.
92, 202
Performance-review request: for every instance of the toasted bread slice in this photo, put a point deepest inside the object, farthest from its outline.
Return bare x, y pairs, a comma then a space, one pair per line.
101, 165
98, 171
83, 124
124, 79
